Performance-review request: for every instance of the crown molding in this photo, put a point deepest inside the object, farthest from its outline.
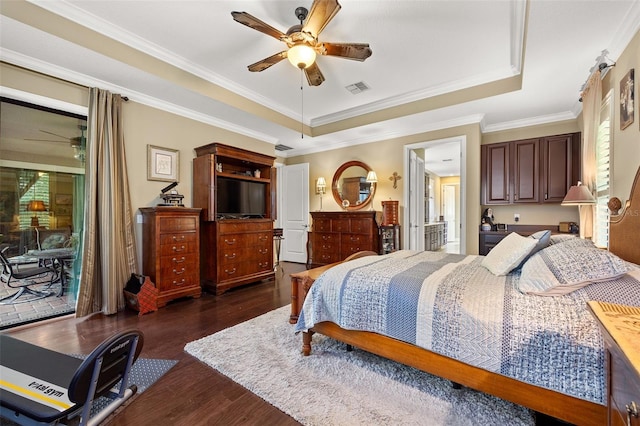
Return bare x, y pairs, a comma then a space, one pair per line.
527, 122
37, 65
382, 136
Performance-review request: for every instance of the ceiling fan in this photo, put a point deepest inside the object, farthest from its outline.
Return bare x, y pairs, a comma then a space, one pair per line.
78, 143
302, 40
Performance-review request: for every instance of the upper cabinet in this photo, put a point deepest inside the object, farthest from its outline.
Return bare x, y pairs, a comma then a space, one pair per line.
233, 183
537, 170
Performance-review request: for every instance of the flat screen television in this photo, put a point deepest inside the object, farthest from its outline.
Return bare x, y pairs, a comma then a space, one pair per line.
240, 198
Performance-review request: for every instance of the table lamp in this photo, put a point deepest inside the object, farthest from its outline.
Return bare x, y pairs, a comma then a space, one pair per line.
579, 195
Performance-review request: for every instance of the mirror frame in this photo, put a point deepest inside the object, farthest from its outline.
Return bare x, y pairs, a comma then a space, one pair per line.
336, 179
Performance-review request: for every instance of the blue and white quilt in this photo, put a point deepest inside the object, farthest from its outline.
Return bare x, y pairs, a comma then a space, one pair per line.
450, 304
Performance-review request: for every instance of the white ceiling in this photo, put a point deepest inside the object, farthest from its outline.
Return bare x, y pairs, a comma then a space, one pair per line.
421, 50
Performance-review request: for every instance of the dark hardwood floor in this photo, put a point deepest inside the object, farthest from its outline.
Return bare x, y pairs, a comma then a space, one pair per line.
191, 393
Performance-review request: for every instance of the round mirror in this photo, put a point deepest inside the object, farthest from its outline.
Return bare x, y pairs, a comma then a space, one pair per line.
350, 187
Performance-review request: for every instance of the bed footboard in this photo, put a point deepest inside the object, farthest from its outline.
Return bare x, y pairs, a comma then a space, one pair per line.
555, 404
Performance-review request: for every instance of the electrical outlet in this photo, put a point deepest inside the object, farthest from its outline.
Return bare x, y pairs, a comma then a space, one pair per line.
516, 217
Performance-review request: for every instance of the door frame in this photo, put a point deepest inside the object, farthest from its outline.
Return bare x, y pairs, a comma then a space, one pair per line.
462, 139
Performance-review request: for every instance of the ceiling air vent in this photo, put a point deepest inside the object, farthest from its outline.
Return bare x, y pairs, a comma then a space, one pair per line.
358, 87
281, 147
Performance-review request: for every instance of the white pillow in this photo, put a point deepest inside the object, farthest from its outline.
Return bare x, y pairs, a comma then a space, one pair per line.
508, 253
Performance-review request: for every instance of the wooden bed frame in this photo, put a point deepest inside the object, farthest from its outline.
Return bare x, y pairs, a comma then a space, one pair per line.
624, 229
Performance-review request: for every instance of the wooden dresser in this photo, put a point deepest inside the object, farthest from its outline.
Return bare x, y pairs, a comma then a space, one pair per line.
243, 253
337, 235
621, 330
171, 251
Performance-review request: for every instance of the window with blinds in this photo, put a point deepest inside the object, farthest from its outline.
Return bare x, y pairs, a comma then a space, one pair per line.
603, 161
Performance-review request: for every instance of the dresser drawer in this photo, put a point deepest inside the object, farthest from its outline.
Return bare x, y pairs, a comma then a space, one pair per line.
186, 237
177, 224
231, 255
362, 226
234, 270
234, 227
187, 247
322, 225
325, 238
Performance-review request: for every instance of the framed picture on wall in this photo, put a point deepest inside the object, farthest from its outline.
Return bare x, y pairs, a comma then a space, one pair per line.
64, 199
626, 99
163, 164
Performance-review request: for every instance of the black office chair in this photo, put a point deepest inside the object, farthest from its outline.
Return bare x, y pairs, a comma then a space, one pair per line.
65, 386
24, 279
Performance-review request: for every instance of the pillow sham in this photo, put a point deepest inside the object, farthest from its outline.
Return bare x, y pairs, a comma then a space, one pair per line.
508, 254
562, 268
543, 238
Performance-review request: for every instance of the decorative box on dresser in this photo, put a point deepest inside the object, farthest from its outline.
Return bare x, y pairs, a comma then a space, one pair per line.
171, 251
620, 327
337, 235
234, 251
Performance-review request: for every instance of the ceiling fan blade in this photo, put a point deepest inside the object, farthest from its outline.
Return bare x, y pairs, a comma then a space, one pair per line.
267, 62
45, 140
51, 133
314, 76
355, 51
321, 13
252, 22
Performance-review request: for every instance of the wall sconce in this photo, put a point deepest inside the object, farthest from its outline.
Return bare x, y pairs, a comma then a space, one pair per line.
579, 195
321, 188
372, 179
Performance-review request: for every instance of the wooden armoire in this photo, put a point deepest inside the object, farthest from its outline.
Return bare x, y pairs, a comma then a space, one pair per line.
236, 246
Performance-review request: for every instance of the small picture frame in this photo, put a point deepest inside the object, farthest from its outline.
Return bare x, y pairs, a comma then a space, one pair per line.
64, 199
163, 164
626, 99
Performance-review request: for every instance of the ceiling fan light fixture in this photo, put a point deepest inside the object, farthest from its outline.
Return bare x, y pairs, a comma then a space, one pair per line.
301, 55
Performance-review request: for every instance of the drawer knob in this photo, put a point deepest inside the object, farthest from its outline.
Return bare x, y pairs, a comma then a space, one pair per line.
230, 271
230, 256
178, 238
182, 281
263, 251
230, 242
181, 260
175, 271
181, 248
632, 411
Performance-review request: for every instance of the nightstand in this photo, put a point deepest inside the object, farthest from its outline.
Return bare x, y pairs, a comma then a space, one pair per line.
620, 327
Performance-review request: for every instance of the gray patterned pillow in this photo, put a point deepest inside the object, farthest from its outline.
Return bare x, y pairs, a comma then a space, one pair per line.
562, 268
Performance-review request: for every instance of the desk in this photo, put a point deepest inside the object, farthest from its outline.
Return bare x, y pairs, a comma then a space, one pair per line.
56, 256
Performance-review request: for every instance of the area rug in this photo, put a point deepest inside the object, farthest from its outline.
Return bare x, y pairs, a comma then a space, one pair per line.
144, 372
336, 387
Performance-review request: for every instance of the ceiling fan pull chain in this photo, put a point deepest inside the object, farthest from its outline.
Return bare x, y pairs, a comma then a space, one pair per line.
301, 106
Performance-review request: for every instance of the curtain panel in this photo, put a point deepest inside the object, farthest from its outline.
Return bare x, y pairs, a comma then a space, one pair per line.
591, 104
108, 242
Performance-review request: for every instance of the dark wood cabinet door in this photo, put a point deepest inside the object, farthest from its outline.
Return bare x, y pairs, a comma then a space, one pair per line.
495, 173
561, 166
525, 160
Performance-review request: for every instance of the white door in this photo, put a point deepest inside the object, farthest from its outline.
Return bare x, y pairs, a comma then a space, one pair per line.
451, 210
416, 202
294, 211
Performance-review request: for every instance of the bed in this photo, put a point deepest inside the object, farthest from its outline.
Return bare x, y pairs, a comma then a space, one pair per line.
513, 336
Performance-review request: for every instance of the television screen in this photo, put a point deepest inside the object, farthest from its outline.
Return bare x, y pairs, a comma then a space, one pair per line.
240, 198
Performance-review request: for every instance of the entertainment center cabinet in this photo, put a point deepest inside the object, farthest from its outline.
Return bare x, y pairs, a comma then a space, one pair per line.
235, 189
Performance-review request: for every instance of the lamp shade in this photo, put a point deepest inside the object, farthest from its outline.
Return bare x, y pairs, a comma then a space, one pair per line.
36, 206
301, 55
578, 195
372, 177
321, 183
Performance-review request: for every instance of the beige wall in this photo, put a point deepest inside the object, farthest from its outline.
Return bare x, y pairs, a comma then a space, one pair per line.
626, 143
387, 156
